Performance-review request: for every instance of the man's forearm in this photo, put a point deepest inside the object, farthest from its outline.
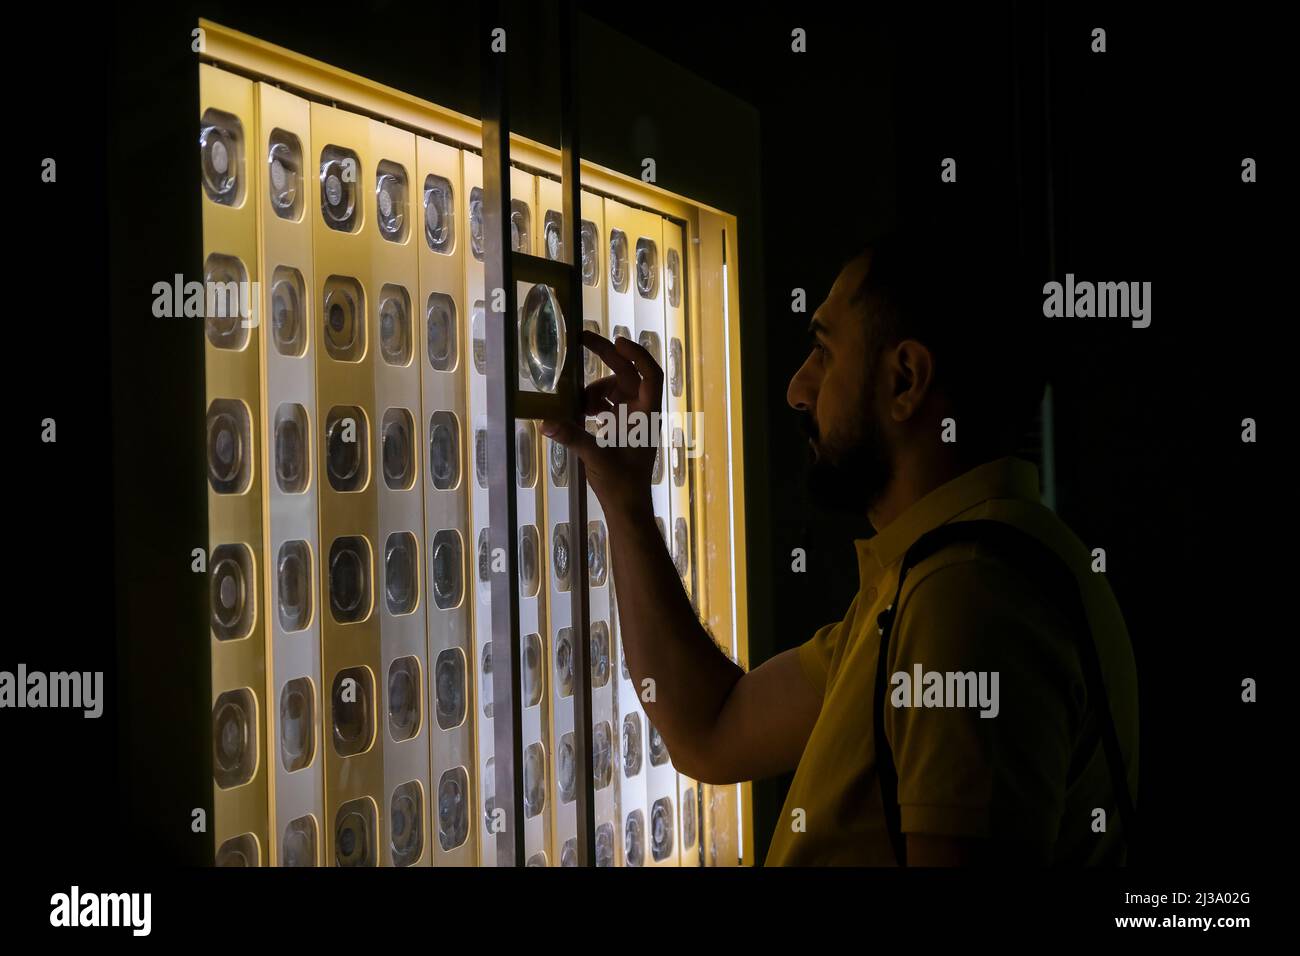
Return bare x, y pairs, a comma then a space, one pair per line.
680, 674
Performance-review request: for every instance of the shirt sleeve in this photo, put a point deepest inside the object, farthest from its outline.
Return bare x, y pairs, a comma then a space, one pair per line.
819, 654
997, 766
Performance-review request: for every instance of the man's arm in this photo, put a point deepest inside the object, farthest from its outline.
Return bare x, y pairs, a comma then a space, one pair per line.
719, 723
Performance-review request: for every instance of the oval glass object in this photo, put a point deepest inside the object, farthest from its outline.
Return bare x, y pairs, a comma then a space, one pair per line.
397, 449
232, 591
440, 329
658, 749
449, 687
553, 234
439, 218
354, 833
234, 738
291, 458
445, 572
354, 724
349, 579
476, 223
661, 829
559, 459
298, 847
596, 553
531, 651
229, 471
647, 268
672, 279
390, 201
590, 253
542, 337
395, 325
676, 367
339, 173
294, 592
534, 780
406, 823
342, 314
401, 572
288, 323
444, 450
221, 136
631, 745
560, 556
520, 227
634, 838
526, 454
564, 662
566, 762
529, 555
297, 724
618, 270
605, 844
229, 305
453, 808
478, 337
404, 693
346, 448
284, 174
599, 654
602, 755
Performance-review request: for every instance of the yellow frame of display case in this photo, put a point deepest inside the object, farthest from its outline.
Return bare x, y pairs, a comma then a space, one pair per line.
713, 317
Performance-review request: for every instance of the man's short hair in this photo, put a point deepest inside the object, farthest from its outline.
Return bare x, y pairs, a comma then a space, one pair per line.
968, 299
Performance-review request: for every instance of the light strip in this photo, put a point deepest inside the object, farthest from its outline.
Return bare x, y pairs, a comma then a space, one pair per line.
731, 509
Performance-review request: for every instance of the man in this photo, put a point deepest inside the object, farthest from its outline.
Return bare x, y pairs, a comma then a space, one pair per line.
917, 388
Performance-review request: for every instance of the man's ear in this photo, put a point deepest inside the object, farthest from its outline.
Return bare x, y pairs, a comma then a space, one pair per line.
910, 367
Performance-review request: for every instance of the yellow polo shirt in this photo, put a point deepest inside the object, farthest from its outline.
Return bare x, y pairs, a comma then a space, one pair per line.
1035, 770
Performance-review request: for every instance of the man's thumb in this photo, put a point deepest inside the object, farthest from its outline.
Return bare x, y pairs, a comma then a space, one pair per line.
570, 434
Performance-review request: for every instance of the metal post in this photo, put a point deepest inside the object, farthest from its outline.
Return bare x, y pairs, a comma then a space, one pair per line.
581, 611
502, 267
500, 310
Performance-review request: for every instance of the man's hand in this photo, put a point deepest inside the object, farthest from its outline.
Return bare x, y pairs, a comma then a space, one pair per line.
619, 475
720, 724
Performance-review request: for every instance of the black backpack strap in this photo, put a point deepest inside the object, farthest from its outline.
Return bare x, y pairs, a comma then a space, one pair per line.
1049, 573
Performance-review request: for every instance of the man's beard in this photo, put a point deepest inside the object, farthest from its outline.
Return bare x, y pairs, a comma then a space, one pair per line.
849, 479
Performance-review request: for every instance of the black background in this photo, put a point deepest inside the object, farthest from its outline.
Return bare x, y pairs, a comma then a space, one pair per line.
1139, 150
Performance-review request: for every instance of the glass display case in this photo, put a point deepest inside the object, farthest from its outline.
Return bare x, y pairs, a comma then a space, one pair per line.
349, 426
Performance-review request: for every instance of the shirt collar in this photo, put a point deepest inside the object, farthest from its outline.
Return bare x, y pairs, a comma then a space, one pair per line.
1002, 478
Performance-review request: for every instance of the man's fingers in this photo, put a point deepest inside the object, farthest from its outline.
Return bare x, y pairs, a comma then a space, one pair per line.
632, 365
602, 395
645, 365
603, 347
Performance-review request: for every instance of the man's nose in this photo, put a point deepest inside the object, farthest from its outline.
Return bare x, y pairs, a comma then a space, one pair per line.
800, 394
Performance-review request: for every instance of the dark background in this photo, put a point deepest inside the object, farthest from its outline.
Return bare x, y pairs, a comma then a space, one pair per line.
1126, 163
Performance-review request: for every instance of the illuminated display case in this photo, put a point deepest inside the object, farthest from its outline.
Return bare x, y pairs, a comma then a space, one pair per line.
357, 655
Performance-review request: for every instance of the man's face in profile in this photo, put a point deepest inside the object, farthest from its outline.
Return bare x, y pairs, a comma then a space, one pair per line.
835, 391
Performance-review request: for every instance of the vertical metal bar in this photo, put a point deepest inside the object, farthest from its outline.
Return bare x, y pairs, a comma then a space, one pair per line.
571, 187
502, 362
